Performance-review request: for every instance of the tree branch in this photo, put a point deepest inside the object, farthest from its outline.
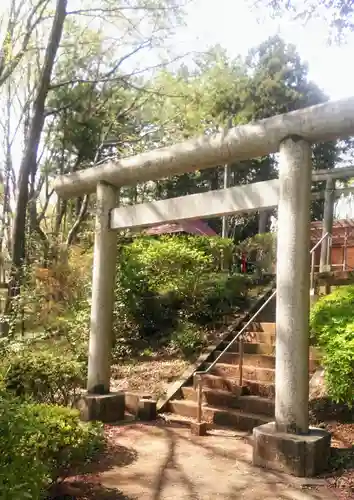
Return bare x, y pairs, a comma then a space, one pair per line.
40, 217
7, 70
107, 76
117, 10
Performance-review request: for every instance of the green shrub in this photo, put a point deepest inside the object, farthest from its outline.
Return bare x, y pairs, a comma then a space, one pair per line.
160, 281
332, 327
169, 263
39, 443
332, 313
187, 339
221, 250
44, 376
154, 278
339, 364
217, 296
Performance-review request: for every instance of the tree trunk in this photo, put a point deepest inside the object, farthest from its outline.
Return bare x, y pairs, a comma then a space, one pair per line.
59, 215
8, 168
81, 217
29, 162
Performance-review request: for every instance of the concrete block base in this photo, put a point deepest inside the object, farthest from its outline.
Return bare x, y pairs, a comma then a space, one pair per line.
199, 428
147, 409
104, 407
300, 455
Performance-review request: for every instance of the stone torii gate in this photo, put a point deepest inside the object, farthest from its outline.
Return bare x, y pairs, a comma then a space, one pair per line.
289, 437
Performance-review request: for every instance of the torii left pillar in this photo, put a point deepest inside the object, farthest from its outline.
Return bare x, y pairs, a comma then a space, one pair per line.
99, 403
288, 444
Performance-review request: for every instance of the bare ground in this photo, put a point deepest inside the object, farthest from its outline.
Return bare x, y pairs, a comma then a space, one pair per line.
165, 462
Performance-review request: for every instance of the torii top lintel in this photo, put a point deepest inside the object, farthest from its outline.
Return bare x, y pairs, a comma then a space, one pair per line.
323, 122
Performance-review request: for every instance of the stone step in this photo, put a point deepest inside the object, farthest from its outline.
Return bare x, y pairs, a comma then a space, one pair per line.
257, 360
219, 416
249, 372
211, 381
261, 348
260, 338
225, 399
249, 348
253, 337
234, 418
253, 387
173, 418
257, 388
212, 397
233, 358
257, 405
268, 327
261, 327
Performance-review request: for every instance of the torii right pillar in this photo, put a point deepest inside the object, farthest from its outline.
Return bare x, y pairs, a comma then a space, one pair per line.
288, 444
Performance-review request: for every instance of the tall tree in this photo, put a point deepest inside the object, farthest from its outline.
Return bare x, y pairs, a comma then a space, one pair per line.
271, 80
29, 162
71, 91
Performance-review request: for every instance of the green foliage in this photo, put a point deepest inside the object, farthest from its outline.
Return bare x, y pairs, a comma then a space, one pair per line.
339, 364
44, 376
332, 313
187, 339
170, 263
332, 325
39, 443
272, 79
160, 281
217, 296
49, 296
220, 249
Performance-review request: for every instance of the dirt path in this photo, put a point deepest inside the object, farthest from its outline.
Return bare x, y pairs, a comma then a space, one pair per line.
162, 462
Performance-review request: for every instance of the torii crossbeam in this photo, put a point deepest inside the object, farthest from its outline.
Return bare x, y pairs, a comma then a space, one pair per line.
291, 134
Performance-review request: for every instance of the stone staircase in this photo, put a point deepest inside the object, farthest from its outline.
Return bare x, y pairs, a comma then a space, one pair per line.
225, 403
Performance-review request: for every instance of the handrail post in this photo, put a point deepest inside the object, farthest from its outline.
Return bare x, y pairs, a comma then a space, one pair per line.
241, 361
199, 399
344, 266
312, 276
328, 256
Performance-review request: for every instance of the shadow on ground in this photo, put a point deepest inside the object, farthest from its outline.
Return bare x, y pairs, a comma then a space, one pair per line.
86, 485
323, 410
80, 490
189, 468
163, 461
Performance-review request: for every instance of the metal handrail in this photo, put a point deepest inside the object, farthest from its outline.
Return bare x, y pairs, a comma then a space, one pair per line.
197, 376
319, 242
204, 372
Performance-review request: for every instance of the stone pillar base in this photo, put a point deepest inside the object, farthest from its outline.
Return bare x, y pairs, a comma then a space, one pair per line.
199, 428
300, 455
147, 409
104, 407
